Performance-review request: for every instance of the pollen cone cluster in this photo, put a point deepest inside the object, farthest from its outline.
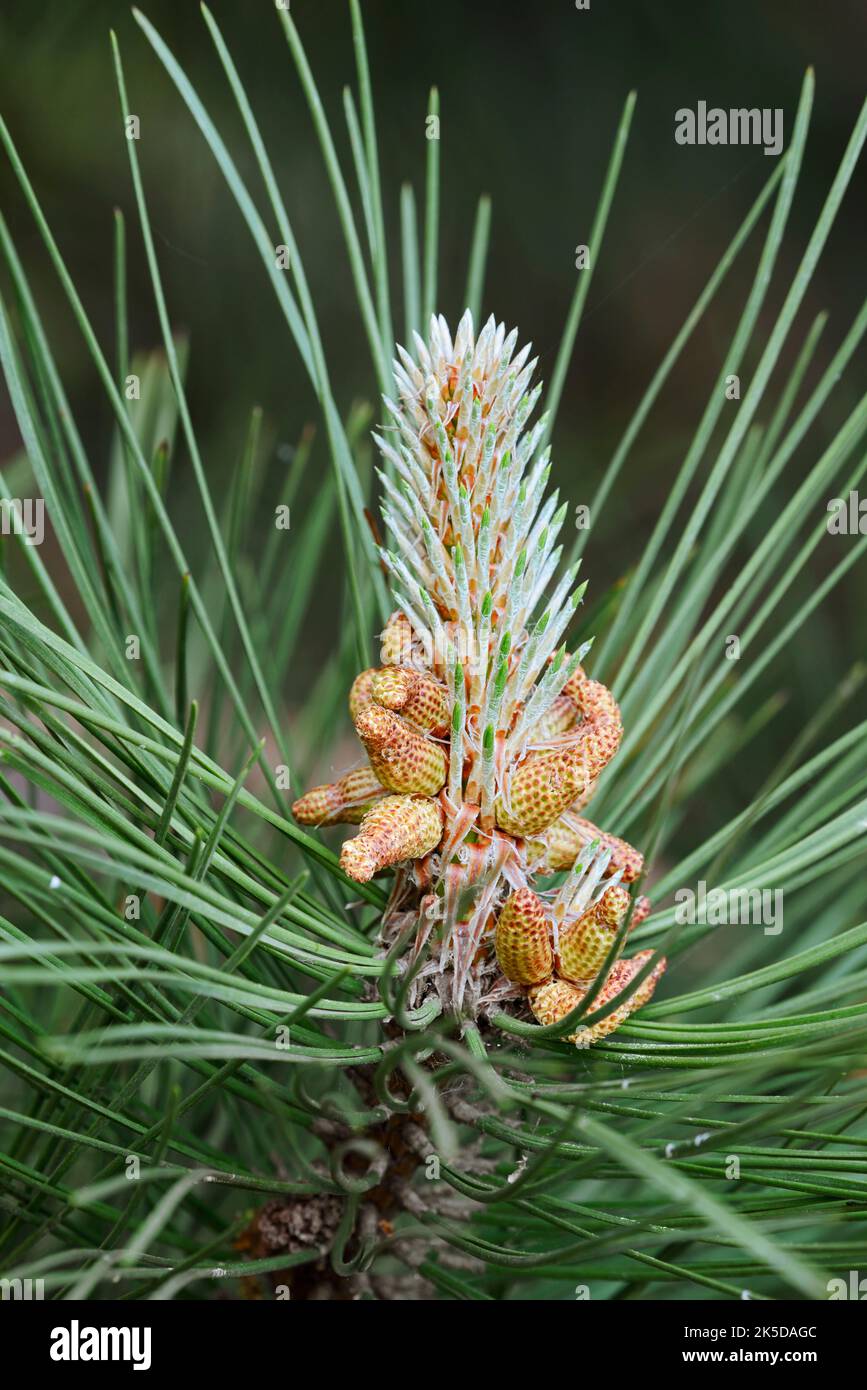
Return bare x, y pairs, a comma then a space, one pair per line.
484, 738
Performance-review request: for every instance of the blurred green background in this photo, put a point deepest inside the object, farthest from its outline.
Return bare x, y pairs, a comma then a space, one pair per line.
530, 100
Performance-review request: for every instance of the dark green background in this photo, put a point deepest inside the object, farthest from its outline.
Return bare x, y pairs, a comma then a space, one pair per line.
530, 95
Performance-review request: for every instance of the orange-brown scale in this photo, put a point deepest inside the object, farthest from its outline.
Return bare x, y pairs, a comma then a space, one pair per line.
523, 939
418, 697
551, 1002
568, 835
344, 801
584, 944
396, 828
402, 758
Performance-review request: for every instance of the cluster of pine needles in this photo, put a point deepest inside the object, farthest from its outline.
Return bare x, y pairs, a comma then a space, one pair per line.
206, 1064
